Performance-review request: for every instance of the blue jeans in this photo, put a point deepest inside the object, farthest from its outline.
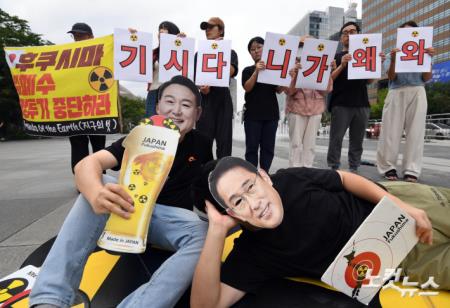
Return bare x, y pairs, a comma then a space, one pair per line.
171, 228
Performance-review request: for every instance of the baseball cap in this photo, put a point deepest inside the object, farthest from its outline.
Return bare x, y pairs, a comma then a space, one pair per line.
213, 21
81, 27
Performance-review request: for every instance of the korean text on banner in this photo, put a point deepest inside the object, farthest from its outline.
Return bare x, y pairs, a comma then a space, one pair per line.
279, 54
133, 56
366, 61
176, 57
412, 43
213, 63
316, 59
66, 90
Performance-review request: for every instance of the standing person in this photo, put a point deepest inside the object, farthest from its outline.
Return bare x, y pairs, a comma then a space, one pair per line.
261, 113
217, 116
349, 105
152, 87
304, 108
80, 143
174, 226
405, 108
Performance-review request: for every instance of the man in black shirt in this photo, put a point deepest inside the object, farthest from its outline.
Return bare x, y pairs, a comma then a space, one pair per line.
261, 113
173, 226
349, 106
294, 223
216, 120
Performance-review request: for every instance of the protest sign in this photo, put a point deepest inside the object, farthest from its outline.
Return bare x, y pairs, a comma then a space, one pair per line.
176, 57
213, 63
412, 42
365, 50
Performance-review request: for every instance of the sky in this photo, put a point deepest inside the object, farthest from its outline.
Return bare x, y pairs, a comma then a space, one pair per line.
243, 19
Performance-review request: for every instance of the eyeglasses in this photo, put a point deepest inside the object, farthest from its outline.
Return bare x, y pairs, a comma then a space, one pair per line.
351, 31
241, 202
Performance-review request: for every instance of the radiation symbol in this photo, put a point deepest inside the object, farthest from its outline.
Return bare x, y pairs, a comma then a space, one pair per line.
131, 187
357, 268
365, 40
177, 42
11, 287
136, 172
214, 46
282, 42
168, 123
146, 121
143, 199
415, 33
133, 37
320, 47
101, 79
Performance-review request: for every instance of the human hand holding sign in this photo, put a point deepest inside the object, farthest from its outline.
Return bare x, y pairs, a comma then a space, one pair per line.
112, 198
424, 229
345, 59
260, 65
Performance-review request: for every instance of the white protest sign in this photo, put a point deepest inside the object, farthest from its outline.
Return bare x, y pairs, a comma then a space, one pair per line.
380, 243
365, 50
213, 63
133, 56
315, 60
176, 57
15, 288
412, 42
279, 54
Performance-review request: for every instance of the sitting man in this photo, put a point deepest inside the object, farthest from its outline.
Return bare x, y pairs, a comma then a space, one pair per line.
289, 217
173, 226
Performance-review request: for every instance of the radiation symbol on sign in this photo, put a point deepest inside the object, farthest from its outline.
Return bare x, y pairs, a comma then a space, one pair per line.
131, 187
214, 46
357, 268
168, 123
365, 40
133, 37
11, 287
415, 33
101, 79
320, 47
178, 42
143, 199
136, 172
282, 42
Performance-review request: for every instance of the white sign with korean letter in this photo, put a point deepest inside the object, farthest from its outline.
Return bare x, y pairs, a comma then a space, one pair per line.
213, 63
412, 42
133, 56
176, 57
278, 54
365, 50
315, 59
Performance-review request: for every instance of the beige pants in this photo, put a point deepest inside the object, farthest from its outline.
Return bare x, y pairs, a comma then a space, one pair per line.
302, 136
428, 260
404, 109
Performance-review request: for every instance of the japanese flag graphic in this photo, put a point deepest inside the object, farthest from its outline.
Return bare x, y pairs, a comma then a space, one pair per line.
12, 57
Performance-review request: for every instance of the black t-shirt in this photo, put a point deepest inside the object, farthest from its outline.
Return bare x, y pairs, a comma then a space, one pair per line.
194, 151
348, 93
261, 102
320, 216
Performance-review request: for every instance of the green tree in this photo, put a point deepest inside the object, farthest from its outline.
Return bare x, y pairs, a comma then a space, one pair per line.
438, 96
376, 110
14, 32
133, 110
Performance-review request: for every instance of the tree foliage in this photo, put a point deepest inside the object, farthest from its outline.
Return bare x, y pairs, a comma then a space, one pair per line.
438, 97
133, 110
14, 32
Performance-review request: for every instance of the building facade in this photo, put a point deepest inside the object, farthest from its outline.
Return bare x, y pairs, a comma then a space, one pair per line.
385, 16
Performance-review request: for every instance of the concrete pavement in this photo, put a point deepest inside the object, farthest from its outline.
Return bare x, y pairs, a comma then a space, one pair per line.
37, 188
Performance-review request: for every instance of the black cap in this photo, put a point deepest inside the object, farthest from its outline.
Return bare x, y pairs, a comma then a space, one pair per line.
81, 27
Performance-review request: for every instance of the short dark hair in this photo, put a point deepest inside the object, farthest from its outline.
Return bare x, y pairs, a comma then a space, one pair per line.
410, 23
223, 165
358, 28
181, 80
256, 39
